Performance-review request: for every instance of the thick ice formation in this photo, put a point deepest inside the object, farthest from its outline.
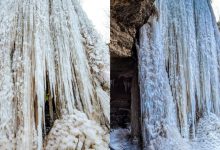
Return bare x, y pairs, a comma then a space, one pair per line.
207, 133
178, 71
77, 132
48, 43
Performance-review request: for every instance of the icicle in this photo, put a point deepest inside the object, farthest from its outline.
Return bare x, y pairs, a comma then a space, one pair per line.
44, 39
185, 41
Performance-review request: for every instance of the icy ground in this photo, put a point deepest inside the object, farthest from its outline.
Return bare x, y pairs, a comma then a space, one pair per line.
208, 137
120, 140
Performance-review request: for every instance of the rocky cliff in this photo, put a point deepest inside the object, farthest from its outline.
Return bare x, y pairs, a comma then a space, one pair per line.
127, 16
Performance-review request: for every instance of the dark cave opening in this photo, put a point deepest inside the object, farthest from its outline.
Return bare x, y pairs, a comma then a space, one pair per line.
120, 102
49, 119
50, 111
120, 92
125, 103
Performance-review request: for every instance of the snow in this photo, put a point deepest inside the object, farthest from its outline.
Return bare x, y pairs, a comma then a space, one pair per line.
76, 131
120, 139
208, 133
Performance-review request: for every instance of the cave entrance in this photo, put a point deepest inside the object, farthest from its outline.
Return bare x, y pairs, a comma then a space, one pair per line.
125, 101
50, 111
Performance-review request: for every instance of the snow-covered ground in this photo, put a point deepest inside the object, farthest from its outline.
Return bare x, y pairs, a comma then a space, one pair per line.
120, 140
207, 137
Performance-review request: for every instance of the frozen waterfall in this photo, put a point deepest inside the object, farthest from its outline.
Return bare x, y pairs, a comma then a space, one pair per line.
49, 44
179, 76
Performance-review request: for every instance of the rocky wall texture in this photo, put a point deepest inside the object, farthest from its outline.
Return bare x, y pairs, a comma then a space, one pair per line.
127, 16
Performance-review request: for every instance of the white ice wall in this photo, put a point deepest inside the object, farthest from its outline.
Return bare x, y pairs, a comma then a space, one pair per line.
178, 66
54, 39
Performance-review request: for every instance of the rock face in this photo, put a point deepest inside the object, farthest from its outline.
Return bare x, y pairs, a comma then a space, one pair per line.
127, 16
